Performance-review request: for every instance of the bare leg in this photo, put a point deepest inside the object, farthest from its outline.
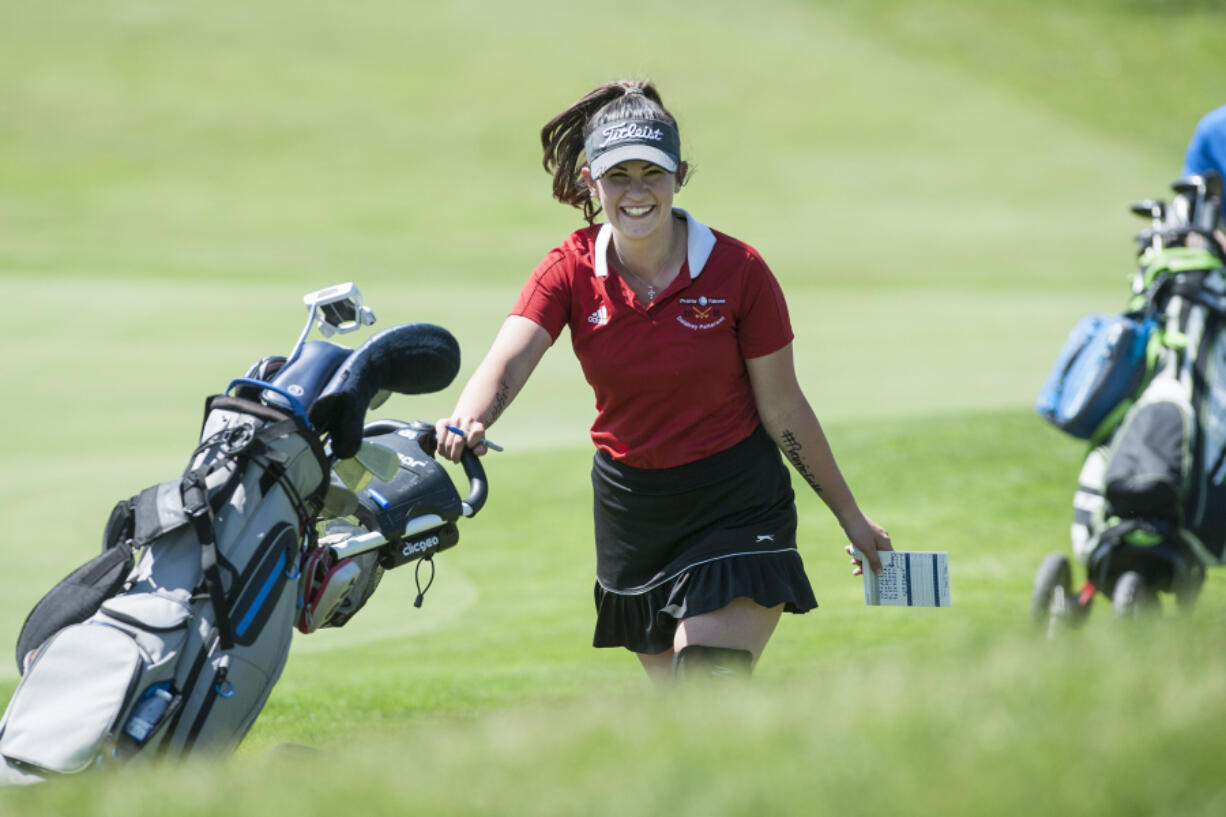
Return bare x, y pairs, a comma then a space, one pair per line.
742, 624
659, 667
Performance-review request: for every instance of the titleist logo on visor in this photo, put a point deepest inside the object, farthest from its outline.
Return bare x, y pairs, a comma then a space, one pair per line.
630, 130
649, 140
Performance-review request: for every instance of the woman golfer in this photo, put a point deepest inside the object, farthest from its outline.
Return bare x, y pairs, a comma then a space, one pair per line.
684, 335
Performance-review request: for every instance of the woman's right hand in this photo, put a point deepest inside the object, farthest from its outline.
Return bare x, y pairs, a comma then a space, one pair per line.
868, 539
451, 445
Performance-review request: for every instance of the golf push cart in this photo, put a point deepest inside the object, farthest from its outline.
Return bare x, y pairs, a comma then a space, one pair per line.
169, 641
1147, 390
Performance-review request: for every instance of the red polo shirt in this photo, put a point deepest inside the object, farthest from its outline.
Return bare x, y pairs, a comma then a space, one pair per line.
670, 379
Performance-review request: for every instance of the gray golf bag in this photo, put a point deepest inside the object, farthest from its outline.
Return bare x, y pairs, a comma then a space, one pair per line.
171, 641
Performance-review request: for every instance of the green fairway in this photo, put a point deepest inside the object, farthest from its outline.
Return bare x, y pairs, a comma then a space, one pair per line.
942, 190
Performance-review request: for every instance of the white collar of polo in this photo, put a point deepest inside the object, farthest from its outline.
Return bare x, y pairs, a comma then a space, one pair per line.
700, 243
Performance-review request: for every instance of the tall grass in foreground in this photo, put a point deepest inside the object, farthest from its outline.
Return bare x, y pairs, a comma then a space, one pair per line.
1110, 721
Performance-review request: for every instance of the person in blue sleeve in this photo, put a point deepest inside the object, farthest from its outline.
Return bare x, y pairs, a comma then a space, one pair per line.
1207, 150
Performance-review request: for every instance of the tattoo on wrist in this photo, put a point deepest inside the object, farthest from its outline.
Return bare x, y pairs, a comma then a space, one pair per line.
792, 450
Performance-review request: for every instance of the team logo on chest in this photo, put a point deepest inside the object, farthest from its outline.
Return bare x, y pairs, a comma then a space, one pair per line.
701, 312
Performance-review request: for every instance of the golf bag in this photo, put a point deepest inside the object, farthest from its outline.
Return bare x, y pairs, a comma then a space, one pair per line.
1151, 497
171, 641
189, 652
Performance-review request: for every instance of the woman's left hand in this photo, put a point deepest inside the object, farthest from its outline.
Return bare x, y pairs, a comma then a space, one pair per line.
867, 538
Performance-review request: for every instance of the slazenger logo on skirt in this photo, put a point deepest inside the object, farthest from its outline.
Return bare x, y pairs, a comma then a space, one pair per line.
620, 133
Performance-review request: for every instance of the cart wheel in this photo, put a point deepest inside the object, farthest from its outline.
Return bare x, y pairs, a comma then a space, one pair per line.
1051, 602
1131, 598
1188, 591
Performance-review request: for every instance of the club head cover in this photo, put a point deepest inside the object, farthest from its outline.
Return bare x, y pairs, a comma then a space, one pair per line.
310, 373
264, 369
413, 358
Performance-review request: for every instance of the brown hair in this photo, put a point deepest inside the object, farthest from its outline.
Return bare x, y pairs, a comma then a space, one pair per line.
563, 137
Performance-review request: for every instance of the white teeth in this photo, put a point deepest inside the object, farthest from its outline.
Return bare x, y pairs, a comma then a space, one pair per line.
637, 211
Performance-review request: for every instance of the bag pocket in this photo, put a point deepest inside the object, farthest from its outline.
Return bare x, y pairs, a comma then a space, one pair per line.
71, 697
74, 599
1149, 468
157, 622
157, 511
1102, 365
263, 583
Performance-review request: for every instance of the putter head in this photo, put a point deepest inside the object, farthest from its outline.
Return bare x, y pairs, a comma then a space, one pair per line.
338, 309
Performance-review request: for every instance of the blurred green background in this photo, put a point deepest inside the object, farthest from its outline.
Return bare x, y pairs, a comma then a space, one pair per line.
942, 188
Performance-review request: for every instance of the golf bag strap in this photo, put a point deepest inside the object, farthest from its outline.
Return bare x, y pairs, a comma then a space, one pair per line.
274, 464
279, 424
200, 509
200, 513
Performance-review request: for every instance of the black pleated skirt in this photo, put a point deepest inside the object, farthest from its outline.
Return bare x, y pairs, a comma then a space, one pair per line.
678, 542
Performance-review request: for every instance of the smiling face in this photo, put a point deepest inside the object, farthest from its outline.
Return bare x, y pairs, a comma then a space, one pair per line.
637, 197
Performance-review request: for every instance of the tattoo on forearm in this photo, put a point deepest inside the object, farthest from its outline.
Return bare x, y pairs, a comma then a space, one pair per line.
792, 450
502, 397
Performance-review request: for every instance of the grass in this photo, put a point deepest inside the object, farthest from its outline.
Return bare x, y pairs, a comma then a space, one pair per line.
877, 732
942, 191
1129, 70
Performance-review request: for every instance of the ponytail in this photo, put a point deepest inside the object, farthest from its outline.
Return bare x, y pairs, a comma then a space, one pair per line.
563, 137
